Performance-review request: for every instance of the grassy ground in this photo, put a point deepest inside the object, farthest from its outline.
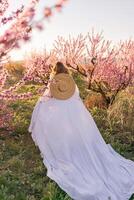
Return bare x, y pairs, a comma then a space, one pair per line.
22, 173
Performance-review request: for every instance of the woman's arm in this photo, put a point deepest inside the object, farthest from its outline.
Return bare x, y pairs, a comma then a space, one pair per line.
46, 95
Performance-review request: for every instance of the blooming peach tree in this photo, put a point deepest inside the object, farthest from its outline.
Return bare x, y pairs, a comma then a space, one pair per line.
16, 29
107, 68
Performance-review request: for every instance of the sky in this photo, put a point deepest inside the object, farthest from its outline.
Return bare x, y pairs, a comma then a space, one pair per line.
113, 17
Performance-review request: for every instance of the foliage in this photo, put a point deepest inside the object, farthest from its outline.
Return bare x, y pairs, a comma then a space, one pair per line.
6, 114
22, 173
106, 70
121, 113
17, 29
94, 99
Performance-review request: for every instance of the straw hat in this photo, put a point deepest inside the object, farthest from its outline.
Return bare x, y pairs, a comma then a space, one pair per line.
62, 86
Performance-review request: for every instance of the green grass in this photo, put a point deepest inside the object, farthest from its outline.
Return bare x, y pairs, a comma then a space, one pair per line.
22, 173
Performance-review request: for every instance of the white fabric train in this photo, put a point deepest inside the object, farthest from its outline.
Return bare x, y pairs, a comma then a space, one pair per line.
75, 154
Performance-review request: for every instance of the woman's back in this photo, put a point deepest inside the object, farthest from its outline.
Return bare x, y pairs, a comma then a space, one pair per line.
75, 154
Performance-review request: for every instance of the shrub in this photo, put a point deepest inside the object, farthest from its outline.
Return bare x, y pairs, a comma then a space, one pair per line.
94, 99
121, 113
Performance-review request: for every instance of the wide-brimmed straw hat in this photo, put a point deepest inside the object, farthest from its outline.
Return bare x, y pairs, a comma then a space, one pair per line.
62, 86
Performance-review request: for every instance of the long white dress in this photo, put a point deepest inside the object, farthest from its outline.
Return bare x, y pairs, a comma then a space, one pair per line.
75, 154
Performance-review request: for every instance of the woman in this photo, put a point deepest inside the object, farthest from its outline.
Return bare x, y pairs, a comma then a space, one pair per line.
73, 150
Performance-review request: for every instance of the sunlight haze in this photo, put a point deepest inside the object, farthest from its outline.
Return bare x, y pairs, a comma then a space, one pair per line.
114, 17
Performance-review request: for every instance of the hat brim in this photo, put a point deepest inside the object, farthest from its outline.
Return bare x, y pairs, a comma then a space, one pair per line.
62, 78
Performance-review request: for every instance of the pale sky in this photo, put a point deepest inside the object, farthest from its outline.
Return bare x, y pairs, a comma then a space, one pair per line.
114, 17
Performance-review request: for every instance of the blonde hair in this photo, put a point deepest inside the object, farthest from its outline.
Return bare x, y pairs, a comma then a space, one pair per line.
59, 68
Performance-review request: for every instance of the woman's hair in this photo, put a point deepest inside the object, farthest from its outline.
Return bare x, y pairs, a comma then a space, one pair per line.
59, 68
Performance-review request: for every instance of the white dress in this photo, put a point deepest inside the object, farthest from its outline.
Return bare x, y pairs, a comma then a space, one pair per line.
75, 154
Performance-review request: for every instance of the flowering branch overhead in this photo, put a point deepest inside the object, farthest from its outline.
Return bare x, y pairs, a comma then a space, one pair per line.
21, 23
